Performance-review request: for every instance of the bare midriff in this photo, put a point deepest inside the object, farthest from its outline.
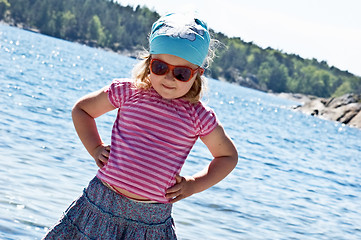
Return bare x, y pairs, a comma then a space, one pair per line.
125, 193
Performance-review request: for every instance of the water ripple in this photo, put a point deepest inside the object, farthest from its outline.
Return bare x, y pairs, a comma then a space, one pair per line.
297, 177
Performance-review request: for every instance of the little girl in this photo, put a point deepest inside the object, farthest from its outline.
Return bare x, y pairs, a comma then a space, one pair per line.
160, 117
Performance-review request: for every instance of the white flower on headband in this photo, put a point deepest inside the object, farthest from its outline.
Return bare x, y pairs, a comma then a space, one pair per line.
178, 26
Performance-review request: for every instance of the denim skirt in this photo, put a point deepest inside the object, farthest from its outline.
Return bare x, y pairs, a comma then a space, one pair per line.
100, 213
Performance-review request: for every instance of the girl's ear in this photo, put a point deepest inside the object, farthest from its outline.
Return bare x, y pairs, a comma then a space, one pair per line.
201, 71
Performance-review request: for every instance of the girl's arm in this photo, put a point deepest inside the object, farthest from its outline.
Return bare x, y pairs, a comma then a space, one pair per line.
225, 160
84, 112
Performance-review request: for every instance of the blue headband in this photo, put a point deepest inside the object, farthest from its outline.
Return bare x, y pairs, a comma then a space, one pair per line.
180, 35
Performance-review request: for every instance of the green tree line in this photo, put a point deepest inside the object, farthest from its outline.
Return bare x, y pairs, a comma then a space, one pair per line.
274, 70
107, 24
98, 22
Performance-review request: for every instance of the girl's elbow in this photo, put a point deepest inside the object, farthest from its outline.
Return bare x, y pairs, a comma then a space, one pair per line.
76, 108
235, 160
234, 157
78, 111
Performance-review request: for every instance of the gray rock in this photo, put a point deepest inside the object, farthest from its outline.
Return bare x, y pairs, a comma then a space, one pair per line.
345, 109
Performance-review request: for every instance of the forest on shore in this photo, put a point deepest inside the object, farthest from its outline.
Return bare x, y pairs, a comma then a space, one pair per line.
107, 24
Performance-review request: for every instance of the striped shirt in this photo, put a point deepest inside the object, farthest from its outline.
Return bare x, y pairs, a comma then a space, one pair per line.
151, 138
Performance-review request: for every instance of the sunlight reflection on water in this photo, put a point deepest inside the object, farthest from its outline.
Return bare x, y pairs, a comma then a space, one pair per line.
297, 177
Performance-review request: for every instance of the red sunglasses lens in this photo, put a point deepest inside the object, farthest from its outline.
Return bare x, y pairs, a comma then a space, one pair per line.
158, 67
182, 74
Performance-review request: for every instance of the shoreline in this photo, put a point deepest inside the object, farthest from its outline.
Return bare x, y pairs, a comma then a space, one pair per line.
126, 52
345, 109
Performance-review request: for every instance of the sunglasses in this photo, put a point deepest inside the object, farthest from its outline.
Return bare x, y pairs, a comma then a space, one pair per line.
181, 73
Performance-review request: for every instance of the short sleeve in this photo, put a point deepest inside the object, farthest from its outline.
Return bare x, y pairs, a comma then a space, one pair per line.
206, 120
119, 91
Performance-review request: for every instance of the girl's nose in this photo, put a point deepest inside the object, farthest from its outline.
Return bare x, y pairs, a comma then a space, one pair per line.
169, 76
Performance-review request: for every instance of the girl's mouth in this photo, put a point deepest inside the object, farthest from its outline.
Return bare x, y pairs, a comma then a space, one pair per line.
167, 87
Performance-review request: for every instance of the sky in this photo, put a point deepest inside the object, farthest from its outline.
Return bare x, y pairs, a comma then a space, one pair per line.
327, 30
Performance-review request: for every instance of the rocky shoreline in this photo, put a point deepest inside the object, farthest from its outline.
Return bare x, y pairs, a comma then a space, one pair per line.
345, 109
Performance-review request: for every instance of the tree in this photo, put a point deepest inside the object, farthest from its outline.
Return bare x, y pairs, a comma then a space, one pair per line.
96, 30
278, 79
18, 10
4, 6
264, 73
343, 89
67, 22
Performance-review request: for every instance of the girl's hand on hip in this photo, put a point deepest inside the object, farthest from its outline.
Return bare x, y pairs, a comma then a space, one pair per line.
101, 155
182, 189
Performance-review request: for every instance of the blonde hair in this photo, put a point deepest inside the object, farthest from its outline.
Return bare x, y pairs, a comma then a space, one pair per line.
141, 80
141, 74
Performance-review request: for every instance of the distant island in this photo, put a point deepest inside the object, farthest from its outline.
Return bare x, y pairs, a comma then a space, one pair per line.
124, 29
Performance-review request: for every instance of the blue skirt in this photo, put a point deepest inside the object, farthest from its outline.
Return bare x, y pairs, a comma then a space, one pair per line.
100, 213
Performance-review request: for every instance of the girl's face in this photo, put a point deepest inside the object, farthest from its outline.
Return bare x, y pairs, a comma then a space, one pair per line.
166, 85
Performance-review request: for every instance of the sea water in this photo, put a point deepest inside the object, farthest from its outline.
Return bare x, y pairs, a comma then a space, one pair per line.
298, 177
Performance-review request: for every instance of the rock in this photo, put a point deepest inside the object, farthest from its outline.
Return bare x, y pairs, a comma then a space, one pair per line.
312, 107
356, 121
250, 81
342, 114
343, 100
345, 109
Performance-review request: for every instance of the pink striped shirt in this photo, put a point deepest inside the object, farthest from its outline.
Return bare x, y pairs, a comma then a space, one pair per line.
151, 138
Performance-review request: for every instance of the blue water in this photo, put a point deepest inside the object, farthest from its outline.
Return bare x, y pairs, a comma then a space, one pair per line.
298, 177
